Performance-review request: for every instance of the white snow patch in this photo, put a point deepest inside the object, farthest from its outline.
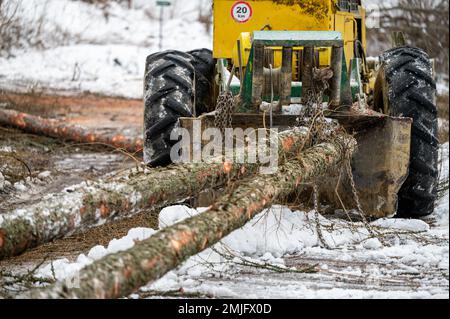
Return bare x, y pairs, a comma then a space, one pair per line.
2, 181
44, 175
63, 268
98, 252
20, 186
372, 244
174, 214
403, 224
442, 207
6, 149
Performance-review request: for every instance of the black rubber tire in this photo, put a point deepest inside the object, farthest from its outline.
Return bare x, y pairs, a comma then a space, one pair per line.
406, 84
204, 71
169, 92
177, 84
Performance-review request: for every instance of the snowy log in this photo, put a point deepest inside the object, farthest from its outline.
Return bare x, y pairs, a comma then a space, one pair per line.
53, 128
89, 204
121, 274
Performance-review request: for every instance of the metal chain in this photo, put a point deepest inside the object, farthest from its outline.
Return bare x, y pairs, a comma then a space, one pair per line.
224, 111
313, 113
313, 103
317, 217
355, 194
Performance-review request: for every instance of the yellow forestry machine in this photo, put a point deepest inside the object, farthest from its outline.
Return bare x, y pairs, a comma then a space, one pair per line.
270, 52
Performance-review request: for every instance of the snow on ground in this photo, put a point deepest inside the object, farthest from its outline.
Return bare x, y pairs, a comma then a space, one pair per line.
265, 258
2, 182
113, 70
90, 49
239, 265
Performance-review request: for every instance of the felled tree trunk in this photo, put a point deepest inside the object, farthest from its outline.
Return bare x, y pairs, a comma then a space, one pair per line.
53, 128
123, 273
89, 204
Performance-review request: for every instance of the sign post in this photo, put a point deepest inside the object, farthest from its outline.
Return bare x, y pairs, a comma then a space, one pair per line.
161, 4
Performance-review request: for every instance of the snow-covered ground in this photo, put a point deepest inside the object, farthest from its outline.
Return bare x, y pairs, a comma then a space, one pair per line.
265, 258
103, 51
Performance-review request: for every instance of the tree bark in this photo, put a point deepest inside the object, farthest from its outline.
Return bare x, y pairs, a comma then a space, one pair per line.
121, 274
56, 129
89, 204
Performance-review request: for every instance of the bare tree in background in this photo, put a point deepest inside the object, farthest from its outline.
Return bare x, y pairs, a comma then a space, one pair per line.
8, 25
16, 32
425, 25
205, 14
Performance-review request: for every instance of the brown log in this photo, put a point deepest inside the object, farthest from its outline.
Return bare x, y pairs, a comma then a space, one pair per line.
121, 274
53, 128
89, 204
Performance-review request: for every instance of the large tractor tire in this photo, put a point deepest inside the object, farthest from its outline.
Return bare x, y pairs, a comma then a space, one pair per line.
405, 87
174, 86
204, 71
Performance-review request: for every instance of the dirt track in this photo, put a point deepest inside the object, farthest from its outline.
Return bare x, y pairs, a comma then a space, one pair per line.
90, 111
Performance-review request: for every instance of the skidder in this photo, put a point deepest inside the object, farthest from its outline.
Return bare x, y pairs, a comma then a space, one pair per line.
263, 65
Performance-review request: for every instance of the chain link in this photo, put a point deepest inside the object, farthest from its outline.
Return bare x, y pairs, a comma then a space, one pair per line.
356, 198
224, 111
317, 216
313, 111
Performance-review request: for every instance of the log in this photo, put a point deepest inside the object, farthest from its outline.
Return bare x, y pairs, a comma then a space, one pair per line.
119, 275
53, 128
89, 204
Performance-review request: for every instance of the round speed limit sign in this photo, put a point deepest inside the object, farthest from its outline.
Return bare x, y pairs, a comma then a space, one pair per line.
241, 12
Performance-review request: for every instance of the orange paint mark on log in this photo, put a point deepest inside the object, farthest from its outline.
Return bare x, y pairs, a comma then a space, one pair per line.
253, 208
2, 238
204, 243
183, 239
82, 211
227, 167
127, 272
91, 138
118, 140
19, 120
104, 211
288, 143
139, 143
